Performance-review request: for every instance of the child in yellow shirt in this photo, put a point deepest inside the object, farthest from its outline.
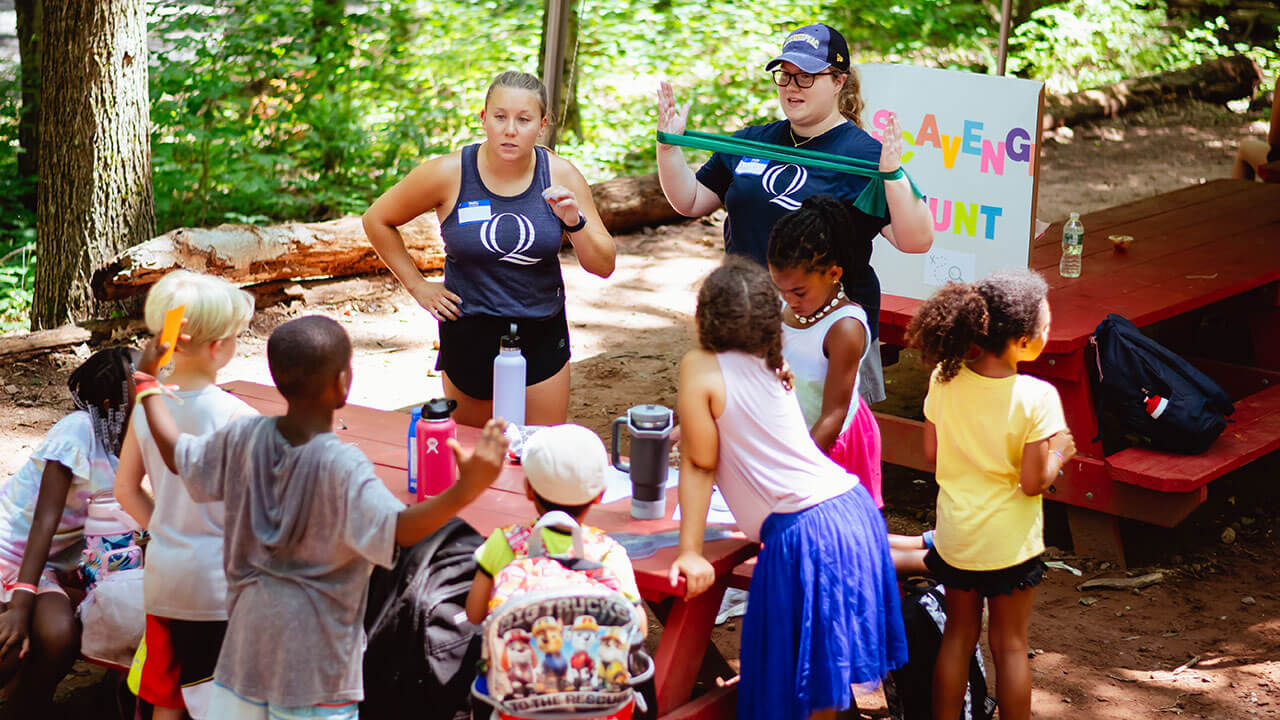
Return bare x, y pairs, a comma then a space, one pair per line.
999, 440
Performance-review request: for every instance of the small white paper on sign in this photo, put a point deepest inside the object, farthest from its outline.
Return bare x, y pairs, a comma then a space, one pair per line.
718, 512
942, 266
617, 484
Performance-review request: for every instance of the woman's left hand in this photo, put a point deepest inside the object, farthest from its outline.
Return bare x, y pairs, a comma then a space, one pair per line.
563, 203
891, 145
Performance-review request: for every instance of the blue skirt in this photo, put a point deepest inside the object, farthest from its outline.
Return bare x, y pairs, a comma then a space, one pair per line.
822, 613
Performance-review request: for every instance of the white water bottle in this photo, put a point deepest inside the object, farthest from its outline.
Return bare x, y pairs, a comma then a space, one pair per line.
1072, 247
509, 379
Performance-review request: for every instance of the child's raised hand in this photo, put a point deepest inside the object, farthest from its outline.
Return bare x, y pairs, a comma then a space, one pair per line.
477, 471
154, 351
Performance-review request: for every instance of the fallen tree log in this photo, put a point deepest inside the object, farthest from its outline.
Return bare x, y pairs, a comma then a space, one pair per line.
251, 254
1215, 81
13, 347
627, 203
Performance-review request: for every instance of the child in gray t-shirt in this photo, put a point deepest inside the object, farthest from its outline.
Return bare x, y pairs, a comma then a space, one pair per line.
307, 519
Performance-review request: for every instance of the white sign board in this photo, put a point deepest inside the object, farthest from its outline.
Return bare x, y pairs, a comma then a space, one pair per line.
971, 143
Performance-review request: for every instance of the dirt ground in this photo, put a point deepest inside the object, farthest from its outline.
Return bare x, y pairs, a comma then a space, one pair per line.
1205, 642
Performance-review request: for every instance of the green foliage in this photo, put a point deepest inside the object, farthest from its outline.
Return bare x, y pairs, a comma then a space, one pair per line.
271, 110
1085, 43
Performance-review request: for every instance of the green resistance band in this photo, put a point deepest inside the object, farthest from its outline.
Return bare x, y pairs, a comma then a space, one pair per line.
870, 201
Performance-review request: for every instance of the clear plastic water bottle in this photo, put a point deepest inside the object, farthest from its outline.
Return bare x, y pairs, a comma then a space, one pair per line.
1072, 247
509, 379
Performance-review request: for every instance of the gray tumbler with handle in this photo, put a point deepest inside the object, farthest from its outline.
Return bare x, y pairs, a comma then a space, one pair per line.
650, 429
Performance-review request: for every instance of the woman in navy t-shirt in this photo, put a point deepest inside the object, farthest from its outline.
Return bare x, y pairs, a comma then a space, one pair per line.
504, 206
820, 97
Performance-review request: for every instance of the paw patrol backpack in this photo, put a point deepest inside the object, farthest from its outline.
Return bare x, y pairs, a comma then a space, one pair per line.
562, 641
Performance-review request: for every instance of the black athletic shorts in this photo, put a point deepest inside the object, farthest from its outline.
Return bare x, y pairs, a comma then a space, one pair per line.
469, 344
987, 583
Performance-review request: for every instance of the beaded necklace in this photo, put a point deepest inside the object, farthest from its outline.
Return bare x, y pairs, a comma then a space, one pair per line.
807, 319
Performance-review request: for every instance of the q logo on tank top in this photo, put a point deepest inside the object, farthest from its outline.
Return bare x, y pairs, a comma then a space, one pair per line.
489, 238
770, 181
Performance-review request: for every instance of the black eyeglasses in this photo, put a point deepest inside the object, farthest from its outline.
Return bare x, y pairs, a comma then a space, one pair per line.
802, 80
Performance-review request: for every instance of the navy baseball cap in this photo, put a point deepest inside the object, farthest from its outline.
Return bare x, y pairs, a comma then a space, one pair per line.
813, 48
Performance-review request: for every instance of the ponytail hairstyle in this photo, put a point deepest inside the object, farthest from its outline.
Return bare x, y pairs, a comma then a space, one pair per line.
990, 314
817, 236
102, 387
738, 309
850, 101
519, 81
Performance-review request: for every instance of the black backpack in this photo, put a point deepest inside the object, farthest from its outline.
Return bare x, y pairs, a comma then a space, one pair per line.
422, 651
908, 690
1152, 396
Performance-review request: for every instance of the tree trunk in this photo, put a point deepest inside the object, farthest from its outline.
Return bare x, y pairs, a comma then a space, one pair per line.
29, 12
95, 196
1215, 81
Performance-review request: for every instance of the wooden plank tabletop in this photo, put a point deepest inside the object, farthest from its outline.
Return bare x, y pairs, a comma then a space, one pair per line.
1191, 247
381, 435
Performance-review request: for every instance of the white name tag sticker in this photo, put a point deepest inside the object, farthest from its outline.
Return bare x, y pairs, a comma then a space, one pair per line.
751, 166
473, 212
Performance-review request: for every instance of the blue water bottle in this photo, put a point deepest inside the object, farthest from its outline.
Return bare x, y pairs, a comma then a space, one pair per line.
415, 415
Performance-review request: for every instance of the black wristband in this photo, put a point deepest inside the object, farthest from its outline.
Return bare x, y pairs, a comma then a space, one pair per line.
582, 222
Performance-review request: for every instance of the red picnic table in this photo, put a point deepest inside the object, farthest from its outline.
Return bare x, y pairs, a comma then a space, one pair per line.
686, 633
1206, 255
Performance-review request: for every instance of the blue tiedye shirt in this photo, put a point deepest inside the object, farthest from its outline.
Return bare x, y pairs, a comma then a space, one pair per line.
756, 193
501, 253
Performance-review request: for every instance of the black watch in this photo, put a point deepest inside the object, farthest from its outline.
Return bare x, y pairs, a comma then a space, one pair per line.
582, 222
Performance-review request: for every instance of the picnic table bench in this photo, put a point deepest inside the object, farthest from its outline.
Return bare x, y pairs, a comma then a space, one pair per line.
1203, 257
686, 633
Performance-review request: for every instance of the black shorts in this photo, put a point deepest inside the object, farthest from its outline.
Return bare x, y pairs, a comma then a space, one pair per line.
987, 583
469, 344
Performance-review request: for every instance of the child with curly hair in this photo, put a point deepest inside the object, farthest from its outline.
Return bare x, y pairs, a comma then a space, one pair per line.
999, 439
824, 612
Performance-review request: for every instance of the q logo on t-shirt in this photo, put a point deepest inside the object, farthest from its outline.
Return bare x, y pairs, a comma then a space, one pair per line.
769, 181
489, 238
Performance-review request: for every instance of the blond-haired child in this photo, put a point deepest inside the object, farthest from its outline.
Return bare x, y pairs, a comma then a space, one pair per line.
184, 586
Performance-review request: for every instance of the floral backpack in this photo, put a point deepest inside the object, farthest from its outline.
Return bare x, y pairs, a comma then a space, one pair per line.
561, 641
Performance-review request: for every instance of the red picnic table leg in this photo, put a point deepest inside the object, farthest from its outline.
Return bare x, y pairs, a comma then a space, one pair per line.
1093, 533
685, 636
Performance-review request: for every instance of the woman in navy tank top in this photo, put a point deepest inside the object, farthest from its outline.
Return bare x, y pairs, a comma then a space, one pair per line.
505, 206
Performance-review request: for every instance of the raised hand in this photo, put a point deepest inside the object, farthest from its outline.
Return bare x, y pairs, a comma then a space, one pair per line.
477, 471
891, 145
671, 117
563, 203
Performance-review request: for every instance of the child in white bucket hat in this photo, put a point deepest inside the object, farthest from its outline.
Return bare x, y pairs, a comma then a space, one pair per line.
564, 467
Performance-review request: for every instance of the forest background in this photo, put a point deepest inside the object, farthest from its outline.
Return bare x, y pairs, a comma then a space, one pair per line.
262, 111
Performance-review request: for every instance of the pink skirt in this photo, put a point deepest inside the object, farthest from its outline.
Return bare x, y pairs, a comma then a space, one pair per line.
857, 450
